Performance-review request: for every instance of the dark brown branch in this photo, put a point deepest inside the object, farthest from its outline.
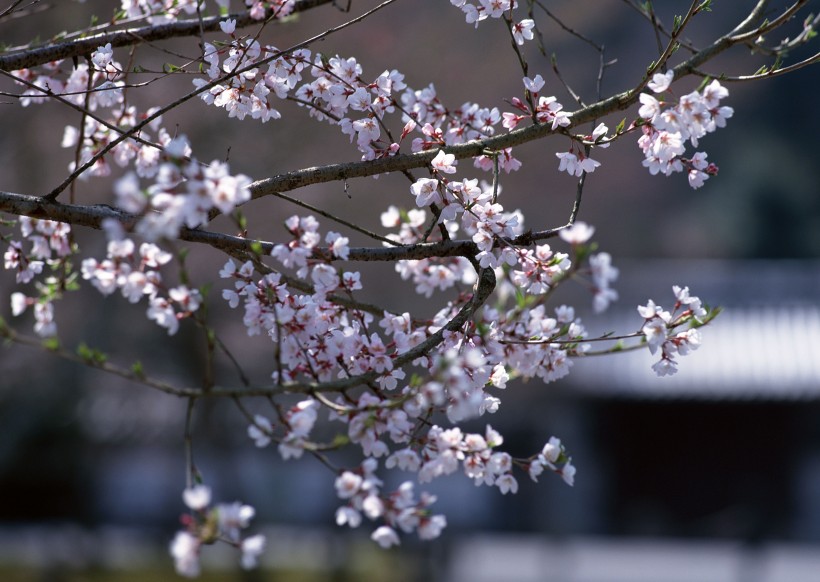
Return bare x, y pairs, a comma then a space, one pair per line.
31, 57
93, 216
402, 162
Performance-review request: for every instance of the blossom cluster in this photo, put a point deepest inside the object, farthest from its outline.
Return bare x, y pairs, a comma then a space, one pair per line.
161, 11
320, 341
475, 13
105, 76
114, 116
430, 274
134, 272
439, 453
361, 490
243, 76
51, 80
207, 524
659, 329
299, 421
49, 244
166, 11
337, 93
183, 194
666, 130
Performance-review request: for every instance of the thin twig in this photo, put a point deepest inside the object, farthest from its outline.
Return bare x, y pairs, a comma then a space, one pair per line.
190, 474
814, 59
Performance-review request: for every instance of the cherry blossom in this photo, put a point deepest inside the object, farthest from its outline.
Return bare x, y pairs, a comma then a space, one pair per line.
210, 523
535, 84
577, 234
576, 164
197, 497
523, 30
398, 386
660, 81
660, 329
666, 130
185, 552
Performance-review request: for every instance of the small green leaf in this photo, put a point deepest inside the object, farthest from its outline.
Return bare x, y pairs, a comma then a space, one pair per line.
340, 440
138, 370
205, 290
242, 221
52, 344
91, 355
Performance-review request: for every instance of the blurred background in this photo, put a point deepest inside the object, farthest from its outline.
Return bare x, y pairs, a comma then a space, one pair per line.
713, 474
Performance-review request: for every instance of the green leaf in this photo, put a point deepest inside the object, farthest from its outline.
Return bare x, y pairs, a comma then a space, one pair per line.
340, 440
241, 220
91, 355
138, 370
52, 344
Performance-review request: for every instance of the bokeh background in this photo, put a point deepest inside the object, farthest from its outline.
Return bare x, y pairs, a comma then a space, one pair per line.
711, 475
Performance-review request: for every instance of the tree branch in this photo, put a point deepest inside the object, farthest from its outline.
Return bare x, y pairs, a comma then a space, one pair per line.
92, 216
26, 58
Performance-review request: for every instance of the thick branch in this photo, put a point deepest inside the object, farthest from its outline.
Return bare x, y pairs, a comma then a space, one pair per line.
403, 162
93, 216
32, 57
